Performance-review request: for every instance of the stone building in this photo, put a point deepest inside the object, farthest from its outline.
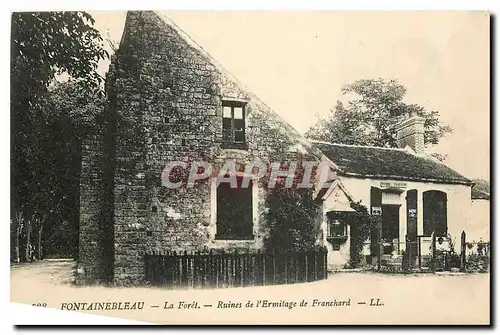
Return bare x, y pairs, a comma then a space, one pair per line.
168, 100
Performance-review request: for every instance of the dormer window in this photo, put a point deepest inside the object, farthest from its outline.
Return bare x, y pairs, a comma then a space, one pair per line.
233, 124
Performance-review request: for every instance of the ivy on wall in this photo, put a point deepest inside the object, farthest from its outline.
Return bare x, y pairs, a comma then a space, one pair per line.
292, 216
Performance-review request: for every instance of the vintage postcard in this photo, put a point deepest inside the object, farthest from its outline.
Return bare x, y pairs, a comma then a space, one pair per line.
321, 167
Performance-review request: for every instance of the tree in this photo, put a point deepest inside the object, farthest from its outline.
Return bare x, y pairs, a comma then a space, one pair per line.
45, 45
370, 116
292, 215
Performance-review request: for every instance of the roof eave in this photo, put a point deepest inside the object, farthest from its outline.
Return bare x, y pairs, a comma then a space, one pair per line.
395, 177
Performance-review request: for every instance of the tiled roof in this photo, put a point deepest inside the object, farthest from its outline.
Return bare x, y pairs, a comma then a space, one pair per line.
388, 163
478, 194
480, 189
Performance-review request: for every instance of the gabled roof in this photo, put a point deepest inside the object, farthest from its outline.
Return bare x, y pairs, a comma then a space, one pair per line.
388, 163
233, 88
337, 198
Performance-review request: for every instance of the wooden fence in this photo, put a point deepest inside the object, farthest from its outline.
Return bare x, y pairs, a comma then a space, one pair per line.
470, 257
475, 256
218, 270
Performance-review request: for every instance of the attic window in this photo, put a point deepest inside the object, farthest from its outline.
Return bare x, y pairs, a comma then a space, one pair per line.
233, 124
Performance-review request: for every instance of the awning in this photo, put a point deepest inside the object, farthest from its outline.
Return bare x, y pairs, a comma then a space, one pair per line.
339, 207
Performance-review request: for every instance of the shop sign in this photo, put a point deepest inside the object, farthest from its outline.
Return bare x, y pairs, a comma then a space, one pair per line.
376, 211
393, 184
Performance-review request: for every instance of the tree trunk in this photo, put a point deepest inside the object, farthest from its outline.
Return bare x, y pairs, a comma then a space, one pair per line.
28, 241
40, 230
18, 236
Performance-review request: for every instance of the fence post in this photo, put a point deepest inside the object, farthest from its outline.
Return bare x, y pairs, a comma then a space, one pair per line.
325, 251
433, 248
196, 272
379, 246
210, 269
237, 276
184, 268
409, 247
419, 249
226, 267
462, 251
164, 268
175, 270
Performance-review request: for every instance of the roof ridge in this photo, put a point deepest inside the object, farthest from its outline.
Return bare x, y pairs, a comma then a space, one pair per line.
357, 145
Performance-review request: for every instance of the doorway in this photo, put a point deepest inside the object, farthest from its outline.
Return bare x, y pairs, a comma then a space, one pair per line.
390, 227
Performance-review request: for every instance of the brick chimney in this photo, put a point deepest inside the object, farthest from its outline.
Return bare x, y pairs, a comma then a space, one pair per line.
410, 132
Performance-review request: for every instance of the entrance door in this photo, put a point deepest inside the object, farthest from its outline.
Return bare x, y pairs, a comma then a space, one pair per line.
390, 226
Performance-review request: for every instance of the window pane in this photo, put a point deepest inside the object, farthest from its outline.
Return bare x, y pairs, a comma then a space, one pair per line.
226, 124
234, 211
337, 228
239, 124
223, 209
239, 136
226, 111
226, 136
238, 113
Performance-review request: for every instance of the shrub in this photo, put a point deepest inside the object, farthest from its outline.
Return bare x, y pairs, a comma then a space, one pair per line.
292, 216
362, 224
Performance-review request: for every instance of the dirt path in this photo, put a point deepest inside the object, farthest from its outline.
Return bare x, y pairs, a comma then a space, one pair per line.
46, 271
430, 298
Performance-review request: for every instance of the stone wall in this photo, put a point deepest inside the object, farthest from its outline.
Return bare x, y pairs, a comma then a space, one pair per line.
164, 104
91, 267
96, 228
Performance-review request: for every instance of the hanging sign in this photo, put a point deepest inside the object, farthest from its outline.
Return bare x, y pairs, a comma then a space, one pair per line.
376, 211
412, 212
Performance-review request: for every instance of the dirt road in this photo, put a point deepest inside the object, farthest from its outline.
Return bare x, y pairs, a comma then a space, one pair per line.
344, 298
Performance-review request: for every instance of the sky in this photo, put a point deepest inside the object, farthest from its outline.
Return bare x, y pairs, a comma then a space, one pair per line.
297, 62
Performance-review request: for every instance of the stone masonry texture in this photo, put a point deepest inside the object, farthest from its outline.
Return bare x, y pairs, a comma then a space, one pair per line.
165, 104
91, 267
411, 133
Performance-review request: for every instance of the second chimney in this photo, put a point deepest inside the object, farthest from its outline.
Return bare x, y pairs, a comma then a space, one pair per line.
410, 132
